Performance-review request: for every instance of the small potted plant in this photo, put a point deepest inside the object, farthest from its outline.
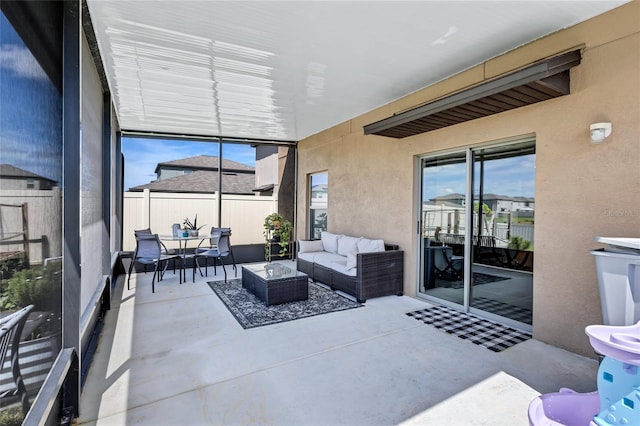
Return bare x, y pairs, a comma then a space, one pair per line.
192, 228
277, 230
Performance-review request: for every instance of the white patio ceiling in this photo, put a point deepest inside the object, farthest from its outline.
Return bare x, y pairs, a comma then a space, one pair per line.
287, 70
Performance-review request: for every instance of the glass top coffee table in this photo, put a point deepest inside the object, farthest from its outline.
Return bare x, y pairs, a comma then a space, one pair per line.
275, 283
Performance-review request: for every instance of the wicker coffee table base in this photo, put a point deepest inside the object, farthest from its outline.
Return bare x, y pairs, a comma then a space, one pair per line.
276, 291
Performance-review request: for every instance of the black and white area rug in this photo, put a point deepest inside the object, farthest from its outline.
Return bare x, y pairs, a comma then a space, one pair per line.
250, 312
479, 278
489, 334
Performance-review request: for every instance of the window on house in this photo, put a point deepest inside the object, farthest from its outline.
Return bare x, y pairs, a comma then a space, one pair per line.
318, 203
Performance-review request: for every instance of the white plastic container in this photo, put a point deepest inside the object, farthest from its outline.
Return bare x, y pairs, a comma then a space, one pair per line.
618, 269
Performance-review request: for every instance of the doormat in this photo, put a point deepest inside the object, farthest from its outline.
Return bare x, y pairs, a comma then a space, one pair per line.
492, 335
507, 310
251, 312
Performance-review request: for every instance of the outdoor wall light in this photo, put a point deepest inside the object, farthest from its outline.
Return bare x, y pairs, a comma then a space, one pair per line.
600, 131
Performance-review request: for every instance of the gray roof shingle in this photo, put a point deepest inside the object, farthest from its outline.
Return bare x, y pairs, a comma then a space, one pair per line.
204, 162
202, 181
9, 170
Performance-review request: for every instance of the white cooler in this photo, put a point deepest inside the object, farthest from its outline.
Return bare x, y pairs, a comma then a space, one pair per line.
618, 268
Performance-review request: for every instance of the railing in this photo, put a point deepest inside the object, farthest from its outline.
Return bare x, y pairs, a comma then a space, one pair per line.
61, 379
35, 359
489, 250
10, 332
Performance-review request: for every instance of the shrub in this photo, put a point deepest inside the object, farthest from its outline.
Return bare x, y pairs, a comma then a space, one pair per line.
39, 286
518, 243
11, 416
10, 266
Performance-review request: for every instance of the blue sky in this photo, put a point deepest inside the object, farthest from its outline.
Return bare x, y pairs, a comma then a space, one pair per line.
143, 155
31, 110
513, 177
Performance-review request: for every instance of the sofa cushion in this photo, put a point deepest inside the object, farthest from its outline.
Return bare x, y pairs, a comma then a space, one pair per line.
341, 267
309, 256
366, 245
347, 244
352, 260
329, 241
310, 246
325, 259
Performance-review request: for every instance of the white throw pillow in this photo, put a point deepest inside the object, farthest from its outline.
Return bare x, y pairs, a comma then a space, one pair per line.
347, 245
352, 260
329, 241
366, 245
305, 246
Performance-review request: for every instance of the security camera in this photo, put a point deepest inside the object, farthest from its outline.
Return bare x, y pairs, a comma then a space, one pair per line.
600, 131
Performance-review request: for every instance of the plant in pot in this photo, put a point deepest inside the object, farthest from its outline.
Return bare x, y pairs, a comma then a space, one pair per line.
277, 230
192, 228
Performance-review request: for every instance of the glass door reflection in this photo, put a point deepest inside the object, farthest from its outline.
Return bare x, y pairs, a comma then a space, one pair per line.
483, 262
503, 222
442, 225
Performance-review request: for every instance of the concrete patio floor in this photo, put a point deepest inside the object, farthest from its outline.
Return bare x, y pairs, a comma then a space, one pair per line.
178, 357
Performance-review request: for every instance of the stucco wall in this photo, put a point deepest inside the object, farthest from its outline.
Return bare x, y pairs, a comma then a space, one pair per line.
582, 190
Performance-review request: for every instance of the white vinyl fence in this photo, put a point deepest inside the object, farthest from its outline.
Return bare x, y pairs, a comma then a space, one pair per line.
44, 224
505, 231
244, 214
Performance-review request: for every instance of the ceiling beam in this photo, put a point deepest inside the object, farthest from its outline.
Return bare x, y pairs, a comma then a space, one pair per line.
201, 138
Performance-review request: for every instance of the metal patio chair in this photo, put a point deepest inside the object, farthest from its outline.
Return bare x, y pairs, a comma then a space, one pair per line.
147, 231
149, 252
220, 248
448, 266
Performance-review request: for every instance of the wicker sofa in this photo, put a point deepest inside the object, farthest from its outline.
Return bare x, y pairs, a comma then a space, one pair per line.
361, 267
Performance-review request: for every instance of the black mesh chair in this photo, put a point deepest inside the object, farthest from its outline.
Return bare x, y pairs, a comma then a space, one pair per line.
149, 252
220, 247
227, 232
147, 231
448, 266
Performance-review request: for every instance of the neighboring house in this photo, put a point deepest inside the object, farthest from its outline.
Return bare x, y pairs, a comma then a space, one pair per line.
504, 203
267, 170
449, 199
204, 182
319, 193
12, 177
199, 174
183, 166
497, 203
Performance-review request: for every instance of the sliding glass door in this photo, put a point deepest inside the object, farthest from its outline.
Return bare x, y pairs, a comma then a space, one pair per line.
479, 254
443, 226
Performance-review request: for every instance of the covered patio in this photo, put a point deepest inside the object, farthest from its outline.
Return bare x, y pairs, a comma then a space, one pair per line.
372, 365
363, 99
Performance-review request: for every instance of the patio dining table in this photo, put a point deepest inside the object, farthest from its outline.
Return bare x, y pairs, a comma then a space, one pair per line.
182, 248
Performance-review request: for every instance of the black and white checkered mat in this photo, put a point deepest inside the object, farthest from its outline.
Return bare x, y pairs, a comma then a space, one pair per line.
489, 334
